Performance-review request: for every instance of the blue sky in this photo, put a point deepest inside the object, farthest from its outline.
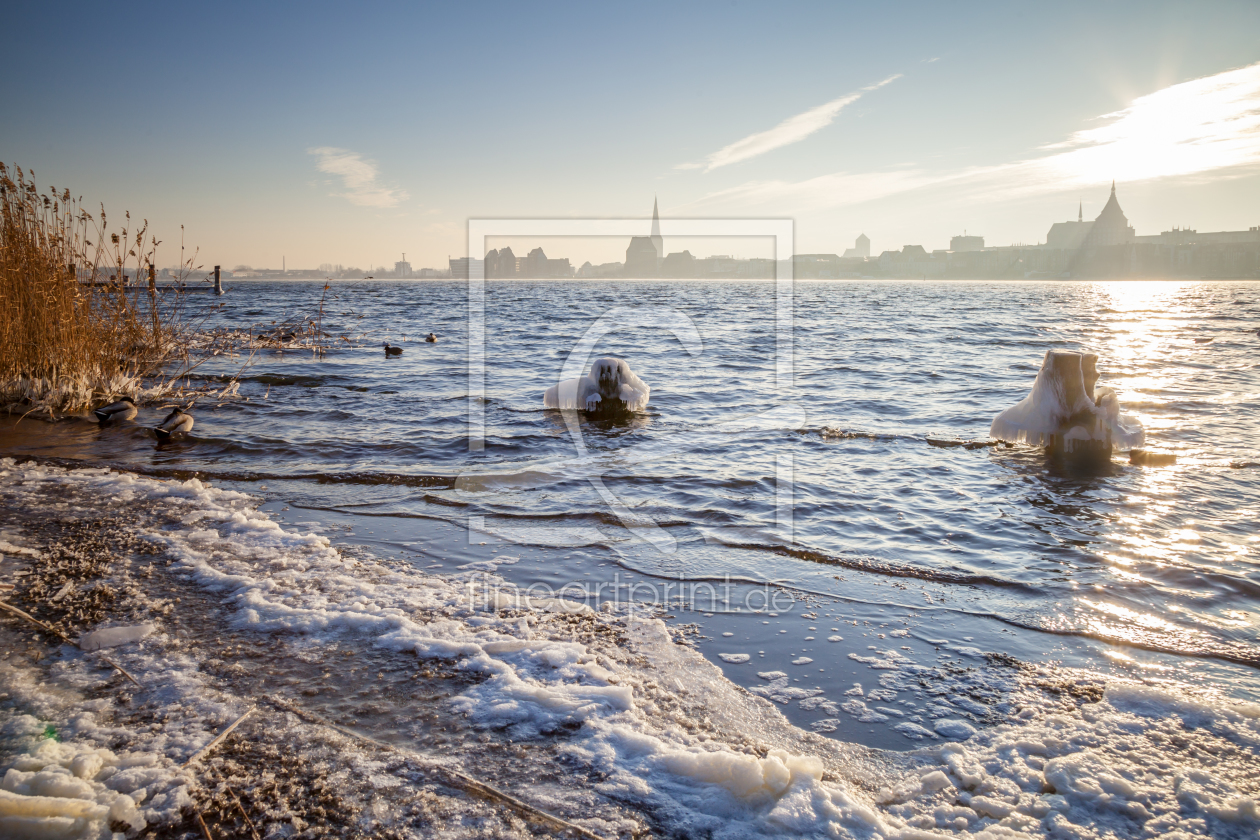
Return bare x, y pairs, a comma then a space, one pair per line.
352, 133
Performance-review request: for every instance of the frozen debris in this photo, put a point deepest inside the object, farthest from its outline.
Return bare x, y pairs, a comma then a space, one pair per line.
802, 660
115, 636
610, 387
1064, 410
734, 658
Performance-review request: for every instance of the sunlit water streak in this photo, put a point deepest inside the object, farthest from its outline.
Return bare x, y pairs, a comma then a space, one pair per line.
1160, 558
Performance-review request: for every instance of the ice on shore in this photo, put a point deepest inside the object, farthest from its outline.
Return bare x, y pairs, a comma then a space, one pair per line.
77, 790
114, 636
661, 728
610, 387
1064, 404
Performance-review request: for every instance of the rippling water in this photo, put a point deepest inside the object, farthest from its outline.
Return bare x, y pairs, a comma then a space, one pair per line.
1156, 559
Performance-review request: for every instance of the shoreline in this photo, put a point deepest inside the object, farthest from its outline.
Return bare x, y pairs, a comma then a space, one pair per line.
245, 609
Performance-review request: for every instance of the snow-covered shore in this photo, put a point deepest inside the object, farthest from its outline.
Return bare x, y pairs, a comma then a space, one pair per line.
598, 718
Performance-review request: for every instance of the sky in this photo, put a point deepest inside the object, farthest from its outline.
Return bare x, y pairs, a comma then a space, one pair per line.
350, 134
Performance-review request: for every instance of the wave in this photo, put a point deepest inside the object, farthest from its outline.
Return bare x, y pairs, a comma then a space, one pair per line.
867, 564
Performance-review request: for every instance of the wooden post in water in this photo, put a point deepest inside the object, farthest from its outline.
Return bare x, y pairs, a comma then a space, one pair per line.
153, 310
218, 283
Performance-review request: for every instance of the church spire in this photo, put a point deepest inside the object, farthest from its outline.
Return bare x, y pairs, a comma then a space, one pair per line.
1080, 212
1113, 186
656, 233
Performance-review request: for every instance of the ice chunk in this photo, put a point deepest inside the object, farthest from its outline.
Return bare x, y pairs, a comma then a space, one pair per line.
959, 730
734, 658
745, 776
610, 387
862, 712
1064, 405
1058, 393
114, 636
914, 732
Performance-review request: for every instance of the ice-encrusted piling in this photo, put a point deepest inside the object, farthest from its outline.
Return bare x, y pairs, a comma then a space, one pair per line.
611, 390
1065, 413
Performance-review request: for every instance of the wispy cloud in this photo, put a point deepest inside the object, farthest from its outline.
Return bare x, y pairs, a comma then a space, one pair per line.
1208, 127
358, 176
792, 130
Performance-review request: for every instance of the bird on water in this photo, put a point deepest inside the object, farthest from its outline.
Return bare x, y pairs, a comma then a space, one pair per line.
431, 338
391, 350
124, 409
177, 423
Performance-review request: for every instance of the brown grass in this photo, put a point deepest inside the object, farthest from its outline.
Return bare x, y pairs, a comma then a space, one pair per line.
68, 337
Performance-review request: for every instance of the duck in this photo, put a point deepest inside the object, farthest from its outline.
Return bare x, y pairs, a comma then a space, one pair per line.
431, 338
178, 422
391, 350
124, 409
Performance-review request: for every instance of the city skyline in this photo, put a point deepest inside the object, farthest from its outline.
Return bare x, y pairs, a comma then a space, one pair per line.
330, 139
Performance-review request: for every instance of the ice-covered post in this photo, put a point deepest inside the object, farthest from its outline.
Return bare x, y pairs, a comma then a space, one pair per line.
218, 283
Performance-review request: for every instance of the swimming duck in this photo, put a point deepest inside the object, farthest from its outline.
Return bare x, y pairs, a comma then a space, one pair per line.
178, 422
431, 338
124, 409
391, 350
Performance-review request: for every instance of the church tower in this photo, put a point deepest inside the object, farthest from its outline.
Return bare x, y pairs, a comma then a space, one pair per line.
1111, 227
656, 233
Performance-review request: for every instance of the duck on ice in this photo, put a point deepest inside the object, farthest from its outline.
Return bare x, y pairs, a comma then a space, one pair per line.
610, 390
1067, 415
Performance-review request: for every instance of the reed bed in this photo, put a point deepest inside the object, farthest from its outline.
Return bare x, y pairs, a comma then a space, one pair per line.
81, 324
71, 331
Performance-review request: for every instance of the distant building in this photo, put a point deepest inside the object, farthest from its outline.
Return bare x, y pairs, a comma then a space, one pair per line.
463, 267
966, 243
656, 234
501, 264
537, 265
861, 248
816, 266
646, 254
641, 257
402, 268
1068, 236
679, 265
1111, 227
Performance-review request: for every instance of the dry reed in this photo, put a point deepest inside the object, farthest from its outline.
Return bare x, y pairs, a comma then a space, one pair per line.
72, 331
